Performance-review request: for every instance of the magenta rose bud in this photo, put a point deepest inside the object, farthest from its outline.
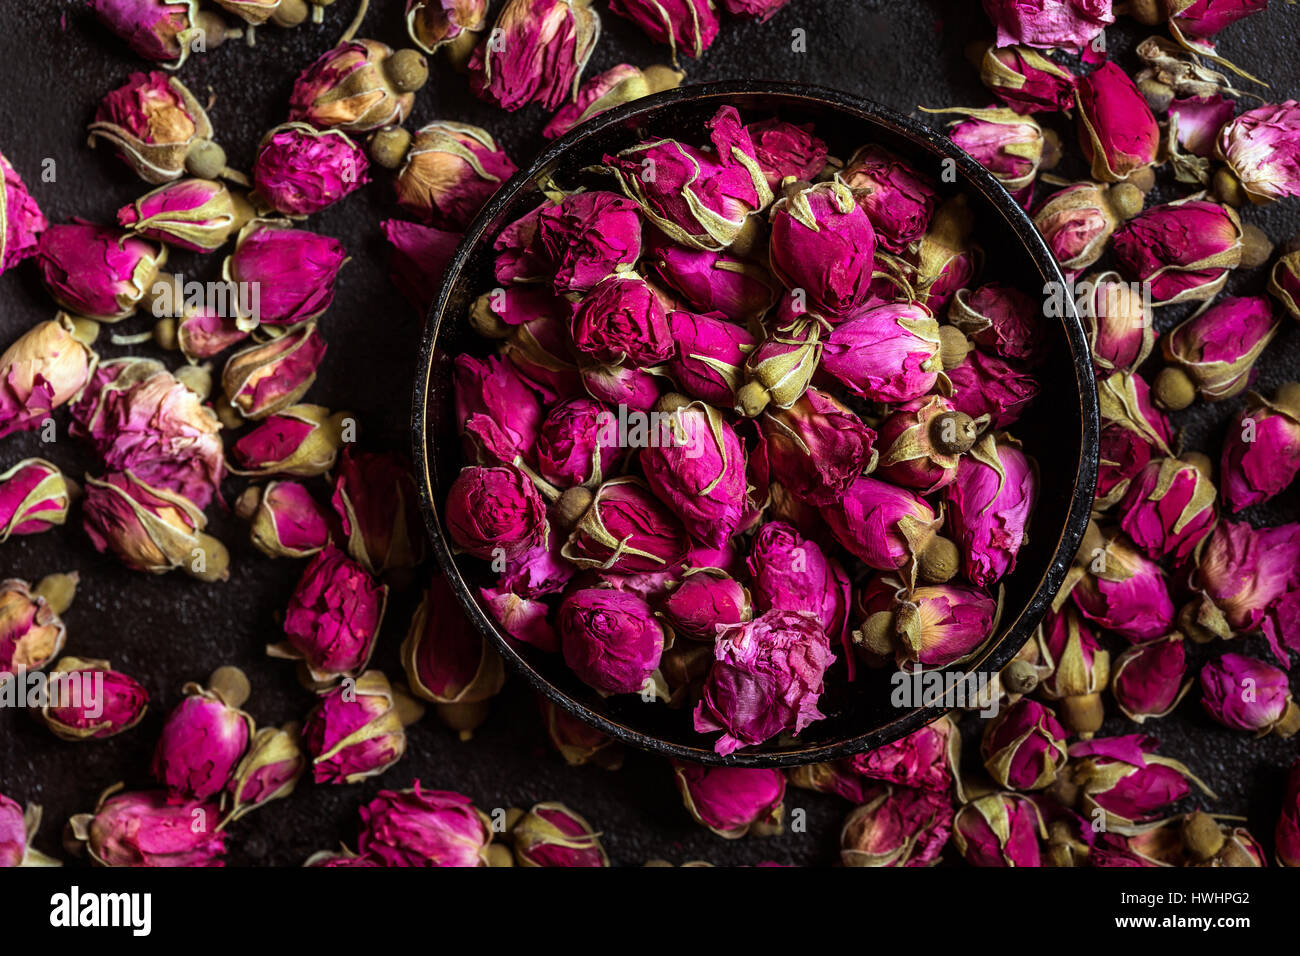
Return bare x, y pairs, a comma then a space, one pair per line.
1184, 248
194, 214
922, 441
1126, 780
151, 828
375, 500
1261, 453
933, 626
158, 129
738, 289
446, 660
1024, 746
619, 385
21, 220
449, 172
163, 31
1170, 507
687, 25
990, 506
357, 86
1262, 149
355, 731
108, 701
611, 639
535, 53
883, 525
293, 270
424, 828
616, 86
924, 759
493, 511
498, 415
269, 771
704, 600
627, 530
985, 384
823, 244
1126, 403
419, 258
817, 447
1287, 834
897, 826
1002, 319
31, 631
300, 170
1122, 590
1000, 829
709, 362
286, 520
203, 739
1120, 325
791, 573
34, 497
889, 353
1079, 220
1078, 669
267, 378
766, 678
573, 446
588, 236
524, 619
1247, 694
1117, 131
621, 319
17, 828
899, 201
786, 151
1213, 353
1026, 80
1148, 680
1240, 572
96, 271
1008, 144
302, 441
1121, 455
732, 801
333, 617
550, 834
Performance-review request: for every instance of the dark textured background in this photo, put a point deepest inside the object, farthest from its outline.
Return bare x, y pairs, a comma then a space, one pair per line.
55, 63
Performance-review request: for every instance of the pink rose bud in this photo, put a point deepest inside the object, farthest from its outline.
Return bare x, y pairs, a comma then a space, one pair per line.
95, 703
1261, 453
424, 828
883, 525
266, 378
293, 271
790, 573
194, 214
1078, 221
1120, 589
577, 742
17, 828
1008, 144
358, 86
158, 128
524, 619
619, 385
1199, 120
1282, 625
1247, 694
1170, 506
1240, 571
897, 826
449, 172
586, 237
1287, 836
550, 834
299, 170
1127, 780
1024, 746
495, 511
1284, 282
150, 528
572, 446
21, 220
1002, 319
34, 497
1204, 18
499, 415
31, 631
922, 442
627, 530
355, 731
688, 25
738, 289
1122, 454
834, 778
1262, 150
931, 626
1120, 325
781, 367
141, 419
899, 201
705, 599
762, 10
1000, 829
766, 679
823, 245
285, 520
204, 333
1117, 131
333, 618
1125, 403
454, 24
1185, 249
302, 441
1026, 80
269, 771
817, 447
786, 151
990, 506
151, 828
1078, 670
709, 362
616, 86
621, 319
611, 639
986, 385
419, 258
164, 31
1213, 353
1150, 679
1044, 24
96, 271
889, 353
925, 759
732, 801
535, 53
375, 500
699, 199
204, 737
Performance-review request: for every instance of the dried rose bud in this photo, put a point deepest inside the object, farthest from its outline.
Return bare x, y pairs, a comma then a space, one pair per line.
158, 129
780, 368
1026, 80
34, 497
449, 172
538, 572
1287, 836
1120, 589
204, 737
21, 220
1213, 353
1284, 282
1262, 150
1170, 506
787, 152
621, 385
766, 679
577, 742
358, 86
1247, 694
896, 826
884, 525
688, 25
627, 530
195, 214
1122, 781
493, 511
732, 801
990, 505
31, 630
1150, 679
1044, 24
524, 619
302, 440
541, 351
889, 353
1125, 403
1008, 144
333, 617
1000, 829
621, 319
1261, 454
713, 282
535, 53
91, 701
293, 271
97, 272
1121, 455
1119, 323
269, 771
705, 599
611, 639
922, 442
1002, 319
355, 731
985, 385
1024, 746
616, 86
424, 828
263, 379
164, 31
836, 778
791, 573
285, 520
1185, 249
151, 528
697, 198
573, 444
300, 170
1079, 220
817, 447
140, 418
150, 828
931, 626
550, 834
1080, 671
1239, 572
898, 200
375, 499
586, 237
709, 361
452, 24
202, 334
925, 758
823, 244
1117, 132
17, 829
420, 256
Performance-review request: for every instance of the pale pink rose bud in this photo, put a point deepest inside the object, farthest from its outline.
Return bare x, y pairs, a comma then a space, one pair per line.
1185, 249
204, 737
1247, 694
1150, 679
21, 220
449, 172
159, 129
1117, 132
687, 25
1044, 24
206, 333
1079, 220
355, 731
357, 86
31, 631
424, 828
194, 214
34, 497
1024, 746
1261, 452
1170, 507
732, 801
1008, 144
1262, 149
97, 272
1000, 829
300, 170
611, 639
535, 53
990, 505
151, 828
285, 520
897, 826
1120, 325
1199, 120
889, 353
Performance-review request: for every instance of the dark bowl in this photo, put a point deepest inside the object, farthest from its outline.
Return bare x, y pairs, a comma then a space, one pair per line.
1060, 429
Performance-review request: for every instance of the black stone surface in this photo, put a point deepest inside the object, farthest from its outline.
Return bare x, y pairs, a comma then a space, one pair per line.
56, 63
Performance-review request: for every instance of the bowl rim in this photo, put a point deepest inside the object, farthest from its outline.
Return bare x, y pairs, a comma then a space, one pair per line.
995, 656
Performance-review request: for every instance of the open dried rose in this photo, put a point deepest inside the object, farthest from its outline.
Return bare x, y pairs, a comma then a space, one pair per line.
43, 369
1262, 150
1239, 572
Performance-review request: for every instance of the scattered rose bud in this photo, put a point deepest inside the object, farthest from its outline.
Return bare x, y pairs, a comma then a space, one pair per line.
1214, 352
1000, 829
1024, 746
355, 731
375, 499
358, 86
269, 771
424, 828
615, 87
1011, 146
204, 737
91, 701
1185, 249
1079, 220
158, 129
17, 829
1239, 572
535, 53
32, 632
1120, 589
1261, 453
302, 441
266, 378
453, 25
687, 25
293, 271
163, 31
1247, 694
285, 520
550, 834
577, 742
1119, 323
300, 170
420, 256
1026, 80
150, 828
449, 172
732, 801
21, 220
1125, 403
34, 497
1080, 671
1262, 150
1122, 781
1170, 506
926, 758
1284, 282
1117, 132
1150, 679
97, 272
897, 826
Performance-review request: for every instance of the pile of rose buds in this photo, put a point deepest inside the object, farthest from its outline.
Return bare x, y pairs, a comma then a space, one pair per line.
736, 430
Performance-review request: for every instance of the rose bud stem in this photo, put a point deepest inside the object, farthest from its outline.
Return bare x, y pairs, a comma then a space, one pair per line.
231, 683
1083, 714
58, 590
938, 561
547, 490
573, 504
953, 433
246, 504
953, 346
1202, 835
229, 417
389, 146
216, 559
1289, 725
205, 160
1019, 677
1064, 791
407, 70
499, 854
1173, 389
1256, 247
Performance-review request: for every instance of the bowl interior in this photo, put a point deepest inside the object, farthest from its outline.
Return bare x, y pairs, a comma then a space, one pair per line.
1059, 430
